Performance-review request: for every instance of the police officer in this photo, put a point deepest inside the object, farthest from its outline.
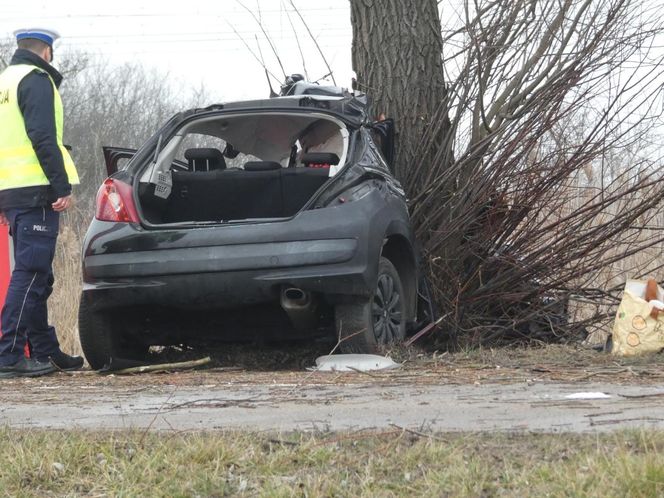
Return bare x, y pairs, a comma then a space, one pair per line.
36, 177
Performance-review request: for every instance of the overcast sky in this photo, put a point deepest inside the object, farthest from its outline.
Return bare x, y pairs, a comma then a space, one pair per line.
196, 42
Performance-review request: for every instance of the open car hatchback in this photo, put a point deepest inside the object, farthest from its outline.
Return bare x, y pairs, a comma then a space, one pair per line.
267, 219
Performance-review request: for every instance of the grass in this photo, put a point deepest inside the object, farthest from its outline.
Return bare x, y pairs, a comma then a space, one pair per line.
396, 463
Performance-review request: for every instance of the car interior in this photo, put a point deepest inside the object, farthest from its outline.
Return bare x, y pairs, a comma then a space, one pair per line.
259, 165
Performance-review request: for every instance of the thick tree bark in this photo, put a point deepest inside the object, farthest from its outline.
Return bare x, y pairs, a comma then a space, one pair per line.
397, 56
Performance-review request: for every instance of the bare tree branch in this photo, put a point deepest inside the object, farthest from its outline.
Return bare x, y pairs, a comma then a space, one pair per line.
313, 38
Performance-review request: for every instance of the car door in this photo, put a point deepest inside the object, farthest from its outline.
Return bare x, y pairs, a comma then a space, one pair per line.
112, 155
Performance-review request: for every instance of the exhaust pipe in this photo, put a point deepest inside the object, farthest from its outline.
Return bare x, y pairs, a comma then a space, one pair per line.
300, 307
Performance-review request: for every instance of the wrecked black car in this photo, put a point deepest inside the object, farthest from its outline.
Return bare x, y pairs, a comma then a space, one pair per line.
271, 218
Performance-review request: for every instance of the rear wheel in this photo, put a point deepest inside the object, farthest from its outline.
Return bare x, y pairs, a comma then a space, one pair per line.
101, 339
364, 327
94, 331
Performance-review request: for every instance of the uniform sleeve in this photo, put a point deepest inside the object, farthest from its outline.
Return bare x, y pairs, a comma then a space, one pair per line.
36, 101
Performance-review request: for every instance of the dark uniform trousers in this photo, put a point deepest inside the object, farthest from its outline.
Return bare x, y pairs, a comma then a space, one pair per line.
25, 315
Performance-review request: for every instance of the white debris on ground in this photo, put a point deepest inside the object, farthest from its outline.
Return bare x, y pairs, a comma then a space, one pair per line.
592, 395
353, 362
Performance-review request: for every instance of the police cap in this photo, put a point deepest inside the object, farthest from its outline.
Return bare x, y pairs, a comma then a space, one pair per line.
48, 36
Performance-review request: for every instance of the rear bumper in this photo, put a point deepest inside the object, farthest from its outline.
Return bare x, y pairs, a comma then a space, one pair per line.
225, 289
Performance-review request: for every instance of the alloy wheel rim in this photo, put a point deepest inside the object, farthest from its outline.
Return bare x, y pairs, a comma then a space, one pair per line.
386, 310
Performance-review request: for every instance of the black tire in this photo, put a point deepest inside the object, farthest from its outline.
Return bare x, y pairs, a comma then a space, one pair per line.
95, 332
366, 326
102, 338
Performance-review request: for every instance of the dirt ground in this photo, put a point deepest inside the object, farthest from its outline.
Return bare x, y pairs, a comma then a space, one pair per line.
541, 389
259, 365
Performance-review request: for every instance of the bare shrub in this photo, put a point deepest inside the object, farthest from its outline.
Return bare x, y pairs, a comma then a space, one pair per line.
539, 192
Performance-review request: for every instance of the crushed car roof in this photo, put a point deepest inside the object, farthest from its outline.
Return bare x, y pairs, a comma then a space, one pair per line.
349, 106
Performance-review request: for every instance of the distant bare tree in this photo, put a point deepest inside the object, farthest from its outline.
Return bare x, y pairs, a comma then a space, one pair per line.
7, 47
113, 105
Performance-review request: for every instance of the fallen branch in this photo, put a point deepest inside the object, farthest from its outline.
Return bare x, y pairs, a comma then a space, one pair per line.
164, 367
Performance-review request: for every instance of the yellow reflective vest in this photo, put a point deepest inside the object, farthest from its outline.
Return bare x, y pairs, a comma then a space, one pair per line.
19, 165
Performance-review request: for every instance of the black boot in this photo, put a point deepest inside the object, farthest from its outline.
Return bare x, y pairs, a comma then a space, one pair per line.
63, 361
26, 367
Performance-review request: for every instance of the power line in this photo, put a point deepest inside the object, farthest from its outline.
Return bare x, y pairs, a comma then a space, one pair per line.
111, 51
286, 41
202, 35
187, 38
18, 15
195, 34
173, 44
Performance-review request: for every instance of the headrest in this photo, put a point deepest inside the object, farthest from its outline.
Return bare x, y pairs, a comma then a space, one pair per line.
261, 165
213, 157
203, 154
320, 158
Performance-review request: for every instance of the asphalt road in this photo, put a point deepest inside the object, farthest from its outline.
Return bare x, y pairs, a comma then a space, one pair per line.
325, 401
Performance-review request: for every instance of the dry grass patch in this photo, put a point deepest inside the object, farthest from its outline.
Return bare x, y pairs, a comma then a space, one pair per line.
63, 303
392, 463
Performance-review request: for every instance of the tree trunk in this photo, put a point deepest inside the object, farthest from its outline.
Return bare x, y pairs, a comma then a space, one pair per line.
397, 56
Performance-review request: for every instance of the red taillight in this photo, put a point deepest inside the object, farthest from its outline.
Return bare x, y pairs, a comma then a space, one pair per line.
115, 202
